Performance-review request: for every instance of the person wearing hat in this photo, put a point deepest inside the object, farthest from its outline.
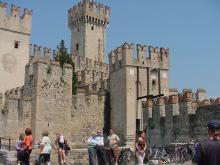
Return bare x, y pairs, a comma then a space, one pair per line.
208, 151
92, 148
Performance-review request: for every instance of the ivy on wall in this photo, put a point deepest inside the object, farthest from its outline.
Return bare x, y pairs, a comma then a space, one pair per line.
64, 58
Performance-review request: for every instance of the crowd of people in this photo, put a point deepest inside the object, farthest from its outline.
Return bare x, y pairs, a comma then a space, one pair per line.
206, 152
96, 147
25, 143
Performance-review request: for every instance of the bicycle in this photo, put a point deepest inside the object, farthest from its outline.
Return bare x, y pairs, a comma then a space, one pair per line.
159, 154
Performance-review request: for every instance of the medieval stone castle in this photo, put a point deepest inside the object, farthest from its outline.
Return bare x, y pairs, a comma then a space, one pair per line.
35, 93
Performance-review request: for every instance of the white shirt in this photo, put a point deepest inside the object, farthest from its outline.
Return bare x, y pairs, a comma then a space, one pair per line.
91, 141
45, 143
100, 140
61, 139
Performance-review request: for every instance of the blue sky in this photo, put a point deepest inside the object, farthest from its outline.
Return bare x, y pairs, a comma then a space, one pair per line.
189, 28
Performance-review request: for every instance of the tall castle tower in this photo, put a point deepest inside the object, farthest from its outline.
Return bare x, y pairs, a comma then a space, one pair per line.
88, 22
131, 78
15, 30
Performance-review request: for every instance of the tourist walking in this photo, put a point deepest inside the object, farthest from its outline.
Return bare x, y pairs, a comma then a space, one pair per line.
207, 152
112, 142
100, 149
92, 148
45, 146
60, 146
27, 142
140, 148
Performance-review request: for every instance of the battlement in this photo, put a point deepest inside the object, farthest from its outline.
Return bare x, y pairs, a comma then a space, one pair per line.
89, 11
15, 93
142, 55
16, 21
187, 96
90, 72
82, 63
98, 88
38, 52
185, 99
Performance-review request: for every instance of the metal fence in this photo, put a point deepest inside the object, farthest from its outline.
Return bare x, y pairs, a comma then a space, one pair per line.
5, 143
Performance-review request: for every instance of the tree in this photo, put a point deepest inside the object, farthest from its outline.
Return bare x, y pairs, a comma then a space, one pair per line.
64, 58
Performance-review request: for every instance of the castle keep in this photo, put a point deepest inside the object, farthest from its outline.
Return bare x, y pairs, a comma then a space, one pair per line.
36, 93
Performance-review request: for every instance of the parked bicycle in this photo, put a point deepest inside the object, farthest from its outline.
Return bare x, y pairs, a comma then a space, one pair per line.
173, 153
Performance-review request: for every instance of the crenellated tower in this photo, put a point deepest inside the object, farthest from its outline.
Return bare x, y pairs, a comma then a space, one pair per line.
88, 22
131, 78
15, 31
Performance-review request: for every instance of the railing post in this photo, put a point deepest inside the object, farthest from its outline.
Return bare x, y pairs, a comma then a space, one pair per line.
9, 147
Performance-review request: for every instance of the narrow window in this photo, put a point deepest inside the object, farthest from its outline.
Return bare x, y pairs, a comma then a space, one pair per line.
153, 85
16, 44
138, 125
77, 47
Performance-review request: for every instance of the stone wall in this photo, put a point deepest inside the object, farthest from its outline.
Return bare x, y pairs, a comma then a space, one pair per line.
15, 115
46, 102
183, 127
87, 115
52, 98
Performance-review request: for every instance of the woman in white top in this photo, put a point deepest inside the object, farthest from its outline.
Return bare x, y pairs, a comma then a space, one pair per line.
45, 146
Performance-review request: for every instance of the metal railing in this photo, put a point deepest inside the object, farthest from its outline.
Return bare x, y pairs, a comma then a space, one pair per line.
5, 143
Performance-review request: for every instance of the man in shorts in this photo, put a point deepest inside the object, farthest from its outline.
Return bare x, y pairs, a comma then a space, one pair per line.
113, 141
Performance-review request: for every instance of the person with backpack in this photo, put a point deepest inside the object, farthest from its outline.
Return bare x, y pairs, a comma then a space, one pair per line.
207, 152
